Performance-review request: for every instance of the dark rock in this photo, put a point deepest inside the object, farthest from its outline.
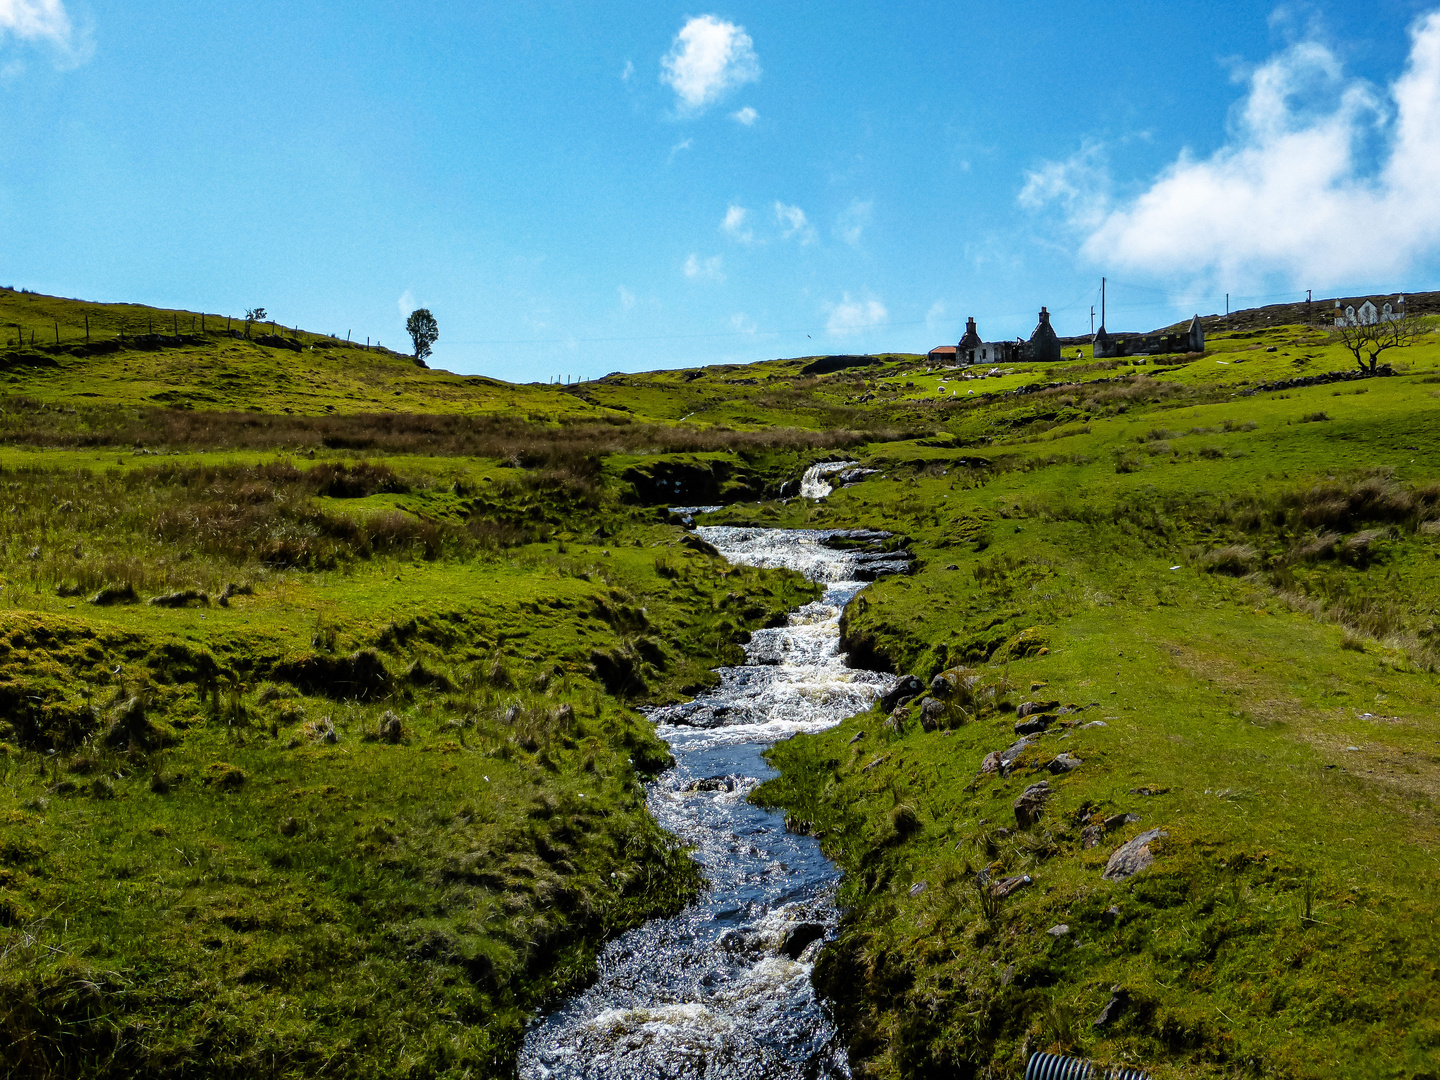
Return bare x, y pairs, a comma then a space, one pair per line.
1064, 763
1032, 726
1132, 857
941, 688
799, 937
919, 887
855, 738
1115, 821
1029, 804
391, 730
1119, 999
1011, 753
1149, 791
876, 763
1111, 915
1029, 707
1090, 835
932, 711
991, 763
906, 689
712, 783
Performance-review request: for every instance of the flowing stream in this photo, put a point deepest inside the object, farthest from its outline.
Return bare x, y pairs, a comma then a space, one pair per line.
723, 989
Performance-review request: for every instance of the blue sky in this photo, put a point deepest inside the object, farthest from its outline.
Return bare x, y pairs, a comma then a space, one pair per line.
575, 189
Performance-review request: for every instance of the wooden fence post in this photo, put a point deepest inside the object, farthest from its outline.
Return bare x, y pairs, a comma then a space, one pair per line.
87, 329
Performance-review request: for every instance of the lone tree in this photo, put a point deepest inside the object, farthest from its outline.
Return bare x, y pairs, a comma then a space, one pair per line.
254, 314
1372, 339
424, 331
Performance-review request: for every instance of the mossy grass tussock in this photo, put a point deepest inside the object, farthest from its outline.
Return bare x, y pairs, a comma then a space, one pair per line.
320, 677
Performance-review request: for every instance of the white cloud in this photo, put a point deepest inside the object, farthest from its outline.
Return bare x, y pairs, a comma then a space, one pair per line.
850, 317
698, 269
734, 225
935, 315
852, 221
793, 223
683, 144
407, 304
742, 323
746, 116
1288, 195
1080, 184
627, 71
46, 22
627, 298
707, 58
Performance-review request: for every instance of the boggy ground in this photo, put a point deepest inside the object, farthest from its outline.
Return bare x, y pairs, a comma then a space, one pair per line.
318, 674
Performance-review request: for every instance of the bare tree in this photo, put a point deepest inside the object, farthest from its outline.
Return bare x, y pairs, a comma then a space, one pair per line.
1371, 339
424, 331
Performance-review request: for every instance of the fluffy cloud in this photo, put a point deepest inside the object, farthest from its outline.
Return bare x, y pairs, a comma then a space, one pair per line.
698, 269
853, 220
793, 223
406, 304
46, 22
707, 58
850, 317
627, 298
1288, 195
746, 116
735, 227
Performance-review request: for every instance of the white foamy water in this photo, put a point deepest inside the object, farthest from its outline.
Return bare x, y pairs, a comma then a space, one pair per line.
723, 989
813, 484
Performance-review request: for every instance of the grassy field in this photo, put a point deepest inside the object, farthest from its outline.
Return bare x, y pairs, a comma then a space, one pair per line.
318, 674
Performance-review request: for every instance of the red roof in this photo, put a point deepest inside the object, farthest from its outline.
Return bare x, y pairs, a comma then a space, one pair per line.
941, 349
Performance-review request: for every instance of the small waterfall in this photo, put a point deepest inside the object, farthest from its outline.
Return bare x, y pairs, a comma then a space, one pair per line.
813, 484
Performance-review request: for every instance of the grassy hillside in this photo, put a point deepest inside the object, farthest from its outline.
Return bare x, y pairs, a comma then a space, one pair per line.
318, 675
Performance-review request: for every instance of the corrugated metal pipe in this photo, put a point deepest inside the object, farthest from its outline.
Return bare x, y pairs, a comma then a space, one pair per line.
1061, 1067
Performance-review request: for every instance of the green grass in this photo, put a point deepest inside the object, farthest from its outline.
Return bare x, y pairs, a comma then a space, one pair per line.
363, 816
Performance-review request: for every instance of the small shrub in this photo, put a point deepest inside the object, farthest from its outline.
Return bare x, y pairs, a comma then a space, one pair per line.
1315, 417
1352, 641
1236, 560
1127, 463
904, 820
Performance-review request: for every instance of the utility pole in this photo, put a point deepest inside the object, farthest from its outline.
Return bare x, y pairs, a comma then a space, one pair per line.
1102, 303
1227, 311
1092, 320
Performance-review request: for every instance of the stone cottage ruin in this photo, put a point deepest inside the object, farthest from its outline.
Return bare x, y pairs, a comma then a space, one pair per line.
1043, 345
1192, 340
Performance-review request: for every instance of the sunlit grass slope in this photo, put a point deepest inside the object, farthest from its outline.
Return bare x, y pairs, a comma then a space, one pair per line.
1243, 592
319, 749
